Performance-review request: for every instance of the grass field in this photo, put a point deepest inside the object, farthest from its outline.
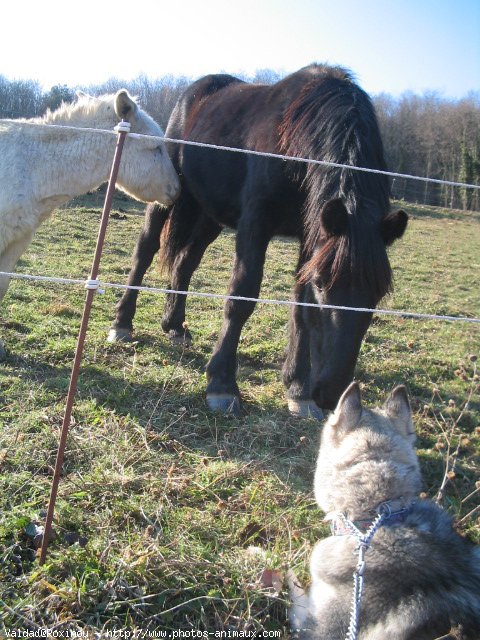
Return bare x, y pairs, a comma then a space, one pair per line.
160, 500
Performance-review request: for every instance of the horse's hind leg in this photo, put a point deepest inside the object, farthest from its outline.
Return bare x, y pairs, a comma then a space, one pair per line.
186, 262
148, 244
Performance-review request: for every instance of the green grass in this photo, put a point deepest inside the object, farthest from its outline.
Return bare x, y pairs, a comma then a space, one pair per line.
159, 500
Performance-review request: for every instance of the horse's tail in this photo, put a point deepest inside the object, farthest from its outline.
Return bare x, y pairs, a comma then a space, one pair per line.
182, 217
185, 212
177, 229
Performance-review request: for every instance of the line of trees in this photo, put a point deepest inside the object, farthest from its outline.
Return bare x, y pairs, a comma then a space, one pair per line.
425, 135
436, 138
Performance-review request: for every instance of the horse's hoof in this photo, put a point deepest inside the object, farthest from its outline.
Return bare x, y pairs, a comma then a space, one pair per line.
183, 338
3, 352
119, 335
305, 409
224, 403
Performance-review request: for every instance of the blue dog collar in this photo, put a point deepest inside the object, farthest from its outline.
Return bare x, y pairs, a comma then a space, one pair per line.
392, 517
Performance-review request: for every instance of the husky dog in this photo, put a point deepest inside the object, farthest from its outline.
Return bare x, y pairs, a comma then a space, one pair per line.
420, 577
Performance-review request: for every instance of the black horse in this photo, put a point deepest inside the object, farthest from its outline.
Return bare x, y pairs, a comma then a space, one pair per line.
341, 216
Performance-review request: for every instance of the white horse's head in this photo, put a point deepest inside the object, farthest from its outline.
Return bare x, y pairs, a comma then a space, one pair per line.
146, 172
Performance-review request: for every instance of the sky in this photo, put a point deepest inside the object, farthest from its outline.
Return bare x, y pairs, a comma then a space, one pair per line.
392, 46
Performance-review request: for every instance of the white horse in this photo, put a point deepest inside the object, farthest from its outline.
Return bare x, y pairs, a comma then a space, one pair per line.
42, 167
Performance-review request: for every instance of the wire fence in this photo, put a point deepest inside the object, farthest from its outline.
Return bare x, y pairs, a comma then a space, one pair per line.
276, 156
265, 154
100, 286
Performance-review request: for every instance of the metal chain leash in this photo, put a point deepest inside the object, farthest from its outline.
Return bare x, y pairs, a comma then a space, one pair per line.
363, 543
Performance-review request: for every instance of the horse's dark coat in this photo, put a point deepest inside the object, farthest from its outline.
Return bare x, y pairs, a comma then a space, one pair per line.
340, 216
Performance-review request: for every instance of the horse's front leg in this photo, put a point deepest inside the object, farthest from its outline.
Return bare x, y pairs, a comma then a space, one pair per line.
186, 262
251, 245
148, 244
302, 336
8, 260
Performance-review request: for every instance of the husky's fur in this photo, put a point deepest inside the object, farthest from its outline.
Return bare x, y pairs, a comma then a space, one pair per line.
421, 578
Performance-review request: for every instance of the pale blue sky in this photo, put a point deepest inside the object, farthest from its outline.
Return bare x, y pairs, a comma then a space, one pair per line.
391, 45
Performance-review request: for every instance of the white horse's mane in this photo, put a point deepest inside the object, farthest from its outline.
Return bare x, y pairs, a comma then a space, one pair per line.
88, 110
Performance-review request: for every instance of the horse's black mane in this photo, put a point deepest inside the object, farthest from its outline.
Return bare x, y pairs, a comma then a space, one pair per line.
333, 119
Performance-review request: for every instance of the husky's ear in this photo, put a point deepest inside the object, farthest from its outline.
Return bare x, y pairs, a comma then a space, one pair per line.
397, 408
349, 408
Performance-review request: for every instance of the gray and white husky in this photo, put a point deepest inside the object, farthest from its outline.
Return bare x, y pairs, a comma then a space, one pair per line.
420, 577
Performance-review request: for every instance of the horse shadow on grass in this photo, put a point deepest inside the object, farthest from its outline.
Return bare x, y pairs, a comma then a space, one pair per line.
266, 435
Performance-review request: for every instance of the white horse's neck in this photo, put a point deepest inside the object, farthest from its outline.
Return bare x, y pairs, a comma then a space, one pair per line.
78, 161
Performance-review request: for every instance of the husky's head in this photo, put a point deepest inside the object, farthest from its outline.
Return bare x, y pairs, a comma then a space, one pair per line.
367, 455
